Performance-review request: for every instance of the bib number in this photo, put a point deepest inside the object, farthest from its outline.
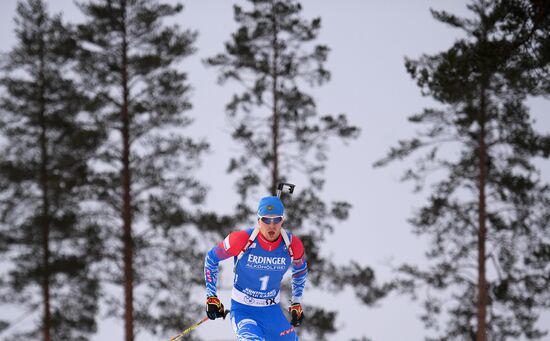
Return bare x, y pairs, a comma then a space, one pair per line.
264, 281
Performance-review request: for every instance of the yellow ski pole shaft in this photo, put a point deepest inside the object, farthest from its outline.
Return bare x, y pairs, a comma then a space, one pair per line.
204, 319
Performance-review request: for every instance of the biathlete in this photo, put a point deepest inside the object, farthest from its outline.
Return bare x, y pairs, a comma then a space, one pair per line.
262, 255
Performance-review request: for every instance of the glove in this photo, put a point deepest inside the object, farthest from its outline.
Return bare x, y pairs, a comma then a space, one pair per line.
214, 308
296, 314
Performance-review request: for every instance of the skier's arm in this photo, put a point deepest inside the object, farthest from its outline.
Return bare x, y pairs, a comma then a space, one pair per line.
229, 247
299, 269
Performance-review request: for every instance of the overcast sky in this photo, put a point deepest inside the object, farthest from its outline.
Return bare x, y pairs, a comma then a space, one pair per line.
368, 42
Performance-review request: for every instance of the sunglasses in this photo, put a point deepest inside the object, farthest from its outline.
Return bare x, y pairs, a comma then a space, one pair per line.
271, 220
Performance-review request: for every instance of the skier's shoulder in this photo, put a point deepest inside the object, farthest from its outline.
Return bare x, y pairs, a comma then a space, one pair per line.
235, 241
296, 245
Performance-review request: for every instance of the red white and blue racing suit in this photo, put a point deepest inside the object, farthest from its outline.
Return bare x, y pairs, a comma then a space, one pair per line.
255, 310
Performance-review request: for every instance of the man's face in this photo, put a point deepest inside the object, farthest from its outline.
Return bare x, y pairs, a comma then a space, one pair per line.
270, 226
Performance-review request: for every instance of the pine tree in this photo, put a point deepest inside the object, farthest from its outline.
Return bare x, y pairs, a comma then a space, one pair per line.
487, 215
129, 59
47, 138
283, 138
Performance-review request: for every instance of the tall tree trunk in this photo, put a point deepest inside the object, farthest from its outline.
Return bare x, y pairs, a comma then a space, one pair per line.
275, 127
482, 281
44, 180
126, 196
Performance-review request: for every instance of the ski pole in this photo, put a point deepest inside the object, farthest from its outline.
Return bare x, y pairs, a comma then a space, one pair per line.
204, 319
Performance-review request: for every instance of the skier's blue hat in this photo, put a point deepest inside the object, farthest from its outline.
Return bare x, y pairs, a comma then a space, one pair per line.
271, 206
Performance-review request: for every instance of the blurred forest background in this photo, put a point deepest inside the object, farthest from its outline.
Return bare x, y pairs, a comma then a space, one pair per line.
135, 134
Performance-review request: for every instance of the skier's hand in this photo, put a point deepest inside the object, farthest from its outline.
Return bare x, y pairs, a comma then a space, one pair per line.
214, 308
296, 314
